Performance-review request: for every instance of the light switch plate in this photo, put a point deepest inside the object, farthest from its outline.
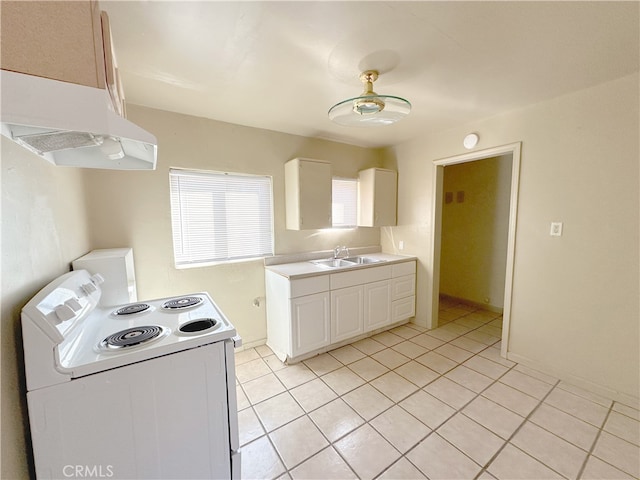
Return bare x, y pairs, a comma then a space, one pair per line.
556, 229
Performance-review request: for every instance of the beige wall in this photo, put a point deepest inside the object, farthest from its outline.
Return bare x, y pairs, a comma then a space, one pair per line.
575, 309
474, 232
44, 227
132, 208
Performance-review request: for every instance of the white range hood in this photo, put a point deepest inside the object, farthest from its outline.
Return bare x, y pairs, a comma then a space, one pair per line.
72, 125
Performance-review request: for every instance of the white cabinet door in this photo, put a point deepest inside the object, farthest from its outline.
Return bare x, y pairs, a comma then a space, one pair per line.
377, 305
308, 194
347, 313
377, 197
310, 326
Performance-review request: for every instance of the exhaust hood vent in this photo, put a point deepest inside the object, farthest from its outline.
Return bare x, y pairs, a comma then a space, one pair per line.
72, 125
42, 143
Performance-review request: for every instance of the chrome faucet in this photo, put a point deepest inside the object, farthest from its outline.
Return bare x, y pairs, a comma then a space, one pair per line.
340, 250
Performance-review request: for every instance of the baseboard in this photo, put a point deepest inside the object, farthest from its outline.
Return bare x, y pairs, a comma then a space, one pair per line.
577, 381
471, 303
255, 343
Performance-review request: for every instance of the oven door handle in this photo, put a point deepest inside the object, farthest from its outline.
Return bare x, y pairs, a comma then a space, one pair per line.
237, 341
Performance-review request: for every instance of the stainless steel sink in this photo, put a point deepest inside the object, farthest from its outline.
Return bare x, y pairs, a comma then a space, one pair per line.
345, 262
332, 263
362, 260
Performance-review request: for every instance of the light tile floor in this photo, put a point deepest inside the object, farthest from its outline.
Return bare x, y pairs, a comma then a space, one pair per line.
440, 404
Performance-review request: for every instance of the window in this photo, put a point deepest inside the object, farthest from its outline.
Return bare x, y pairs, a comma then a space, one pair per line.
344, 206
220, 217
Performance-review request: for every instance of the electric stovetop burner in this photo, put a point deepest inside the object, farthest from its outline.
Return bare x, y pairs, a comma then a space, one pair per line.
182, 302
132, 309
132, 337
198, 326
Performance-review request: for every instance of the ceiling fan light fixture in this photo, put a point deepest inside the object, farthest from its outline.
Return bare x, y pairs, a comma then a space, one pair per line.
368, 105
369, 109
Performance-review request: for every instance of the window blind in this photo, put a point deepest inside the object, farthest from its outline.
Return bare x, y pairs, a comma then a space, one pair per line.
344, 204
219, 217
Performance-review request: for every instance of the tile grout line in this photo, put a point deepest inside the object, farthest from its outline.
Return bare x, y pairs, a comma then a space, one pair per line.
267, 433
459, 410
287, 390
507, 442
366, 422
391, 347
409, 359
330, 444
307, 414
595, 441
477, 394
440, 375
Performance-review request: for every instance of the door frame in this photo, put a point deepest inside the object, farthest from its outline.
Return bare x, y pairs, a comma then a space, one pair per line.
438, 185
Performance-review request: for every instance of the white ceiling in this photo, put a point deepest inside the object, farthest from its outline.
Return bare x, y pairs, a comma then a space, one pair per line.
282, 65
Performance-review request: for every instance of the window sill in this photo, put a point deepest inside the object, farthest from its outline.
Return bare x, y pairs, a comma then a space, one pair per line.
188, 266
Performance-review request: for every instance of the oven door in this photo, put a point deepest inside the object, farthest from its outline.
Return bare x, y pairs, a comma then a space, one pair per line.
166, 417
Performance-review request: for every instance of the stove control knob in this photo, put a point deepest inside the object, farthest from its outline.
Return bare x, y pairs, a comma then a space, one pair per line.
73, 304
64, 312
88, 288
97, 279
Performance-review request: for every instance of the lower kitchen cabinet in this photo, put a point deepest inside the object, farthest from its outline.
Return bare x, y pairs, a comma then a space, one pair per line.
298, 313
311, 314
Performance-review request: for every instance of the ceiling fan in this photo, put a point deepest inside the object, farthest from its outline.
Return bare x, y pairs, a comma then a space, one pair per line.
369, 109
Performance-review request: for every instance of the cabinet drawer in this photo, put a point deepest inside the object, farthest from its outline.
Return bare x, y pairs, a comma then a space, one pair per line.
308, 286
360, 277
403, 309
403, 287
405, 268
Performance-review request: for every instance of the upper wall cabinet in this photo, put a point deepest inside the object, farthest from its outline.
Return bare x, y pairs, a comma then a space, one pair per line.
112, 74
308, 194
66, 41
377, 197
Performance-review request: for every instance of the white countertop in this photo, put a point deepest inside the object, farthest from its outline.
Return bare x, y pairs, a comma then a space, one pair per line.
308, 269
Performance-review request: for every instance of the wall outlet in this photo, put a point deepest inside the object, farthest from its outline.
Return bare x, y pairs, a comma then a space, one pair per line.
556, 229
460, 196
401, 245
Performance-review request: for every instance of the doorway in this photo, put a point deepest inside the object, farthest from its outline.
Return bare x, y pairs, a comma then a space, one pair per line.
511, 152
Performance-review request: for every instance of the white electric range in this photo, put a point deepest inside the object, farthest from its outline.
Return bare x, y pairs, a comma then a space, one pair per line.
140, 391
